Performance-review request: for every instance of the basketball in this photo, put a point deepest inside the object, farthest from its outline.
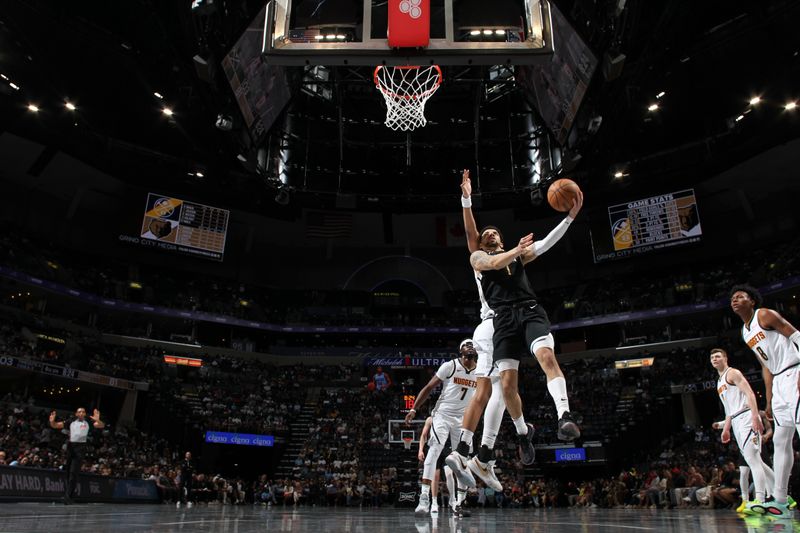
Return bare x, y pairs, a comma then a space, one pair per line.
562, 194
371, 385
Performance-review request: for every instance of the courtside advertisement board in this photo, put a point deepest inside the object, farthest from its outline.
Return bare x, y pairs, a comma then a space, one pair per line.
184, 226
648, 224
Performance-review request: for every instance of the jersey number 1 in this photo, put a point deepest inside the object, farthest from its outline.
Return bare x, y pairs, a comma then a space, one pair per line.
761, 353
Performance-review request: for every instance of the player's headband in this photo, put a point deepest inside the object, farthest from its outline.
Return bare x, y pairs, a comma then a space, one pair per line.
464, 343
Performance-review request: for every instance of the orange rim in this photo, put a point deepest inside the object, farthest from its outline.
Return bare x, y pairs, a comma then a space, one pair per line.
386, 91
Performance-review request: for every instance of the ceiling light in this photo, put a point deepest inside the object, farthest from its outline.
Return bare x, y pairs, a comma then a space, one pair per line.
158, 95
4, 77
652, 107
330, 37
69, 105
790, 105
33, 108
475, 32
14, 85
487, 32
618, 174
755, 100
499, 32
319, 37
167, 111
740, 117
340, 37
199, 174
660, 95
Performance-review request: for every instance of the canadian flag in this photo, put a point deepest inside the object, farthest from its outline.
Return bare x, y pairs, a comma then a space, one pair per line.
450, 231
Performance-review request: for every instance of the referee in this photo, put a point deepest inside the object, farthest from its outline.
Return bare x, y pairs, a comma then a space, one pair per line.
78, 428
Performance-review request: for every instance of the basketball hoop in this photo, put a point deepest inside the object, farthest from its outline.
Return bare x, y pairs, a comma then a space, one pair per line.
405, 90
407, 442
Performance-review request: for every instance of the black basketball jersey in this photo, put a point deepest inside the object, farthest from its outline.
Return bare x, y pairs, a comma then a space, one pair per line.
506, 286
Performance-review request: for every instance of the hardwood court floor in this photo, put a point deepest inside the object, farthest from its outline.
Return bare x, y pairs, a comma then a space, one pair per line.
97, 518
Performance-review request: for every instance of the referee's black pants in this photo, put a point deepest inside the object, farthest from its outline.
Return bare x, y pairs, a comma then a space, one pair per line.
75, 453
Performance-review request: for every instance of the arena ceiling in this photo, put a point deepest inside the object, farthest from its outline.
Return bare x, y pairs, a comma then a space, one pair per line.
120, 64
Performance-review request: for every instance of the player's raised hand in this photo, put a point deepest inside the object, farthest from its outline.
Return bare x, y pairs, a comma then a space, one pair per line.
576, 204
466, 184
524, 243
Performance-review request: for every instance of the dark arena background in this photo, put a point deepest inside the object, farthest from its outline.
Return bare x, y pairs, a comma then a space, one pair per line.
215, 244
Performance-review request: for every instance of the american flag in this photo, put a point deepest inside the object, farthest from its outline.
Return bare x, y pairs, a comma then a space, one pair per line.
325, 225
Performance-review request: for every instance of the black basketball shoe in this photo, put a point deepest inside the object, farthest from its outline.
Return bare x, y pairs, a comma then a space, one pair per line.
568, 428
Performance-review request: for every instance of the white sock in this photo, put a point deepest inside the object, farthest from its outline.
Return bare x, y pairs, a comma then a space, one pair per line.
770, 475
519, 423
451, 483
744, 483
558, 390
466, 436
784, 459
426, 490
493, 415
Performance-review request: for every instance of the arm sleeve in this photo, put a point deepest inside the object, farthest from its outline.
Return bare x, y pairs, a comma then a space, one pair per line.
540, 247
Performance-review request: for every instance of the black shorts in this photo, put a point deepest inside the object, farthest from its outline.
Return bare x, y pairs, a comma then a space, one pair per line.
516, 327
442, 456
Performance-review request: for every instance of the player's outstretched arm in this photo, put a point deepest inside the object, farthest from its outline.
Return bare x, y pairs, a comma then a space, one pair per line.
737, 378
541, 246
470, 227
481, 261
422, 397
53, 423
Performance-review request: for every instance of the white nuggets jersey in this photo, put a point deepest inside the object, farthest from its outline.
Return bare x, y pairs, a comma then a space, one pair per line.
733, 399
459, 385
773, 349
486, 311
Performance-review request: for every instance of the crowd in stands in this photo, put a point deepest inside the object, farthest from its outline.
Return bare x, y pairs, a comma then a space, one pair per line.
279, 305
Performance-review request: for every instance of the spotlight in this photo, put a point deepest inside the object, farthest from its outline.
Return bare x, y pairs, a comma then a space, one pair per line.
790, 105
4, 77
487, 32
13, 85
33, 108
340, 37
660, 95
740, 117
158, 95
618, 174
330, 36
199, 174
499, 32
167, 111
69, 105
319, 37
475, 32
755, 100
652, 107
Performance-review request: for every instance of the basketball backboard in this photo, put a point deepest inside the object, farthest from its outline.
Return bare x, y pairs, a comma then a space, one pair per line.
354, 32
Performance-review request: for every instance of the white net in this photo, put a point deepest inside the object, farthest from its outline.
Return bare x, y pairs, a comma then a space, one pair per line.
406, 90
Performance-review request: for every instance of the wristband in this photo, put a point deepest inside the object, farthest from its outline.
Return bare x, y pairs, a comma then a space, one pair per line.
412, 409
466, 202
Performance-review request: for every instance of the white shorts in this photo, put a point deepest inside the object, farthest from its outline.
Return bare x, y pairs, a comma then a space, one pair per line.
443, 427
482, 341
785, 398
742, 429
